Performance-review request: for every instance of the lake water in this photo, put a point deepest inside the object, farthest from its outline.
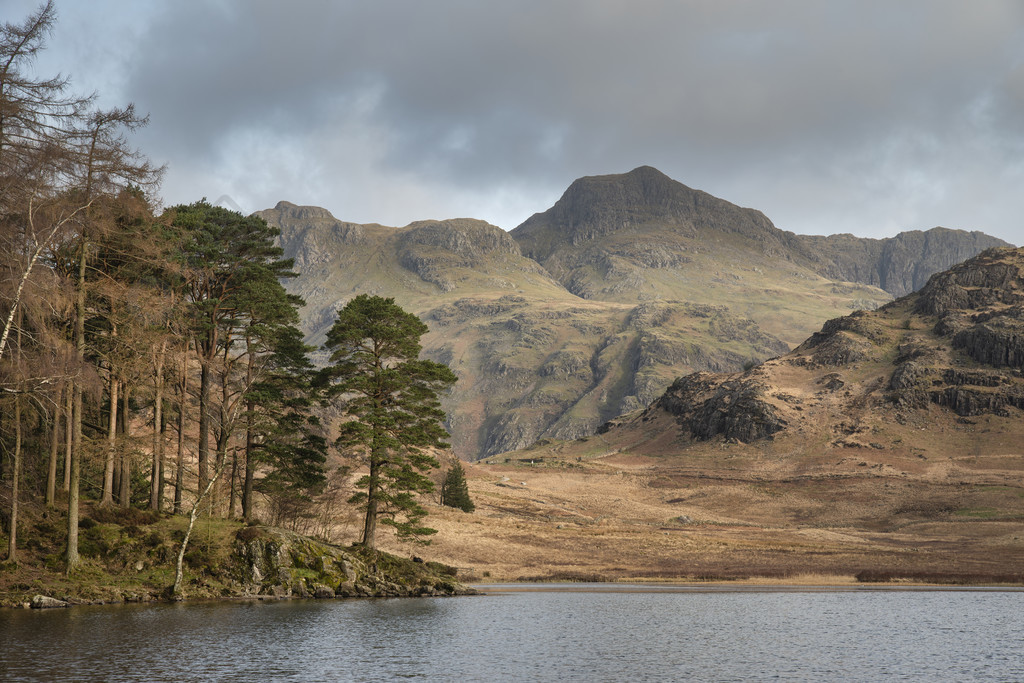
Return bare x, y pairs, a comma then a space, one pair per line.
572, 633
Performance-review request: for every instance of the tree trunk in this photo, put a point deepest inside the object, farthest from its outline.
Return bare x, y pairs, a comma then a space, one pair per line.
68, 434
12, 544
124, 496
176, 590
232, 498
107, 497
72, 557
204, 424
370, 522
250, 465
51, 473
179, 474
156, 479
250, 427
162, 469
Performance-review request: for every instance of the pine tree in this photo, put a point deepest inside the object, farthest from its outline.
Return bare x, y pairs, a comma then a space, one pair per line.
226, 257
455, 490
391, 399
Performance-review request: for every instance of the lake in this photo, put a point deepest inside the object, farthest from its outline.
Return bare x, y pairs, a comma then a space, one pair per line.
602, 632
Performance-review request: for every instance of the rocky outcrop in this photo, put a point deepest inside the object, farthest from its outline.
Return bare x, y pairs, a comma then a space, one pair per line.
986, 281
979, 306
434, 250
311, 235
999, 343
844, 340
279, 563
707, 407
969, 401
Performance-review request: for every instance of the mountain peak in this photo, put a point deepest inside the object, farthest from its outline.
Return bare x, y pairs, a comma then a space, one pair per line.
643, 200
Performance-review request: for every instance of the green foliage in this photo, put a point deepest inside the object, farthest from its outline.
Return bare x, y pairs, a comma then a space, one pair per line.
455, 490
390, 397
243, 319
232, 272
293, 448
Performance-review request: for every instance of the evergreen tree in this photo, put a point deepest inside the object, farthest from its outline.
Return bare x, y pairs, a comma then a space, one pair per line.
226, 257
281, 435
455, 490
391, 399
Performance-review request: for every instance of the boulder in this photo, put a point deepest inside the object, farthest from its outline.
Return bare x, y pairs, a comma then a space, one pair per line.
46, 602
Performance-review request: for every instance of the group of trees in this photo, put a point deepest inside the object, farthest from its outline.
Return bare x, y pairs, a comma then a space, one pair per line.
132, 340
114, 317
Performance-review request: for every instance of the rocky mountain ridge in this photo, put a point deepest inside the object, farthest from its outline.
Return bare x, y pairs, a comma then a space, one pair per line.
901, 264
583, 313
956, 345
655, 222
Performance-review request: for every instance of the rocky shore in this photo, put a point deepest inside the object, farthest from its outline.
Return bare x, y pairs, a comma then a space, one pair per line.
129, 556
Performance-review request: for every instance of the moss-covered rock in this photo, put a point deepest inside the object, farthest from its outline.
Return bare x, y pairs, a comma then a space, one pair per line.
271, 561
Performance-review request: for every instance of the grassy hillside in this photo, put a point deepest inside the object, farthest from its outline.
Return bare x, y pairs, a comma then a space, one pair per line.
889, 445
534, 359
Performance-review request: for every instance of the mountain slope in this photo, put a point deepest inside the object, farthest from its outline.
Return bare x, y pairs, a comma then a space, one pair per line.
926, 393
641, 236
890, 444
585, 312
533, 359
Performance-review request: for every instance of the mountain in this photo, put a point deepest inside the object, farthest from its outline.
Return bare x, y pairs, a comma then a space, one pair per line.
899, 265
888, 445
533, 359
927, 392
641, 236
585, 312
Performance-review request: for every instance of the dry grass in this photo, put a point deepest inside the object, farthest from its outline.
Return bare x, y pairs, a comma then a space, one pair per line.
847, 490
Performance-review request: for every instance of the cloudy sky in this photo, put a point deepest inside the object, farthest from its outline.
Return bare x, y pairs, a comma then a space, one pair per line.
861, 116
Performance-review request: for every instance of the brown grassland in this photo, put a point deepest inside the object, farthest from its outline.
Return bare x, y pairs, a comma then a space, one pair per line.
855, 485
593, 510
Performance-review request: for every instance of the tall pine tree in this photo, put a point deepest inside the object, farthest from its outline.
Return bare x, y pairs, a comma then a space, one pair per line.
390, 397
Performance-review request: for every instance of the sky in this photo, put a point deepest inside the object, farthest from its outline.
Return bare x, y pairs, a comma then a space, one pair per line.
862, 116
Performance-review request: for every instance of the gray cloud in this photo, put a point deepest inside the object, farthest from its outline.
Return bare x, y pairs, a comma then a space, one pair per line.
857, 116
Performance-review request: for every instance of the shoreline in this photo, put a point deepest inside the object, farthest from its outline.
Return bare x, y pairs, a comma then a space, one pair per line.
731, 587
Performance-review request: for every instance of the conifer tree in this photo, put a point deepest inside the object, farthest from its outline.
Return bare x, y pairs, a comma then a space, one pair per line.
225, 255
390, 397
455, 490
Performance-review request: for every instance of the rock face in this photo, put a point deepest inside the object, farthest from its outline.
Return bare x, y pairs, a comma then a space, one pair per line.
436, 251
279, 563
901, 264
733, 409
956, 346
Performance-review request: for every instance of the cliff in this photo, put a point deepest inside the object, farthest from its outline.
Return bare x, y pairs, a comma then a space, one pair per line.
901, 264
